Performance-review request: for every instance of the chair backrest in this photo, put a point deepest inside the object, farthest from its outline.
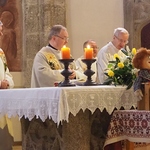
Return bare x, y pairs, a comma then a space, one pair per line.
144, 104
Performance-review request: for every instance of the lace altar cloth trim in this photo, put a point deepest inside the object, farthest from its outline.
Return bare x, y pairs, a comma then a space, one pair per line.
58, 102
132, 125
30, 102
92, 97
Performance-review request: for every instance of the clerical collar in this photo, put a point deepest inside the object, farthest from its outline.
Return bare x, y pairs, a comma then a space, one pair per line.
52, 47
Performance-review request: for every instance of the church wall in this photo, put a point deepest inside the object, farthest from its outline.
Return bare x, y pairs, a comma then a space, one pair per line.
94, 19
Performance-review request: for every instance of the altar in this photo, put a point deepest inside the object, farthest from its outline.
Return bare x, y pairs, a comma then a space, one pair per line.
64, 117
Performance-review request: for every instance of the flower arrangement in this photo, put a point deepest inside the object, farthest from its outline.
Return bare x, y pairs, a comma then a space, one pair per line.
121, 71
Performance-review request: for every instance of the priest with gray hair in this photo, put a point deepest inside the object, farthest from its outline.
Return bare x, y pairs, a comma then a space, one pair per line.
106, 53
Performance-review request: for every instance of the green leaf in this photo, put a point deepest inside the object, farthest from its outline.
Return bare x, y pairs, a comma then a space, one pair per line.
106, 74
110, 65
112, 61
108, 81
129, 86
117, 60
125, 52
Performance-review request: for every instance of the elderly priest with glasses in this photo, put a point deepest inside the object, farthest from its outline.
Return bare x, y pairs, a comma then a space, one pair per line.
106, 53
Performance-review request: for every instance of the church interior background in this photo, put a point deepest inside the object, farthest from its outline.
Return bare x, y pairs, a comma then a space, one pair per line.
27, 23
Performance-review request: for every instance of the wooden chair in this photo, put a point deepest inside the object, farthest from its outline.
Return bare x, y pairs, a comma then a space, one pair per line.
144, 104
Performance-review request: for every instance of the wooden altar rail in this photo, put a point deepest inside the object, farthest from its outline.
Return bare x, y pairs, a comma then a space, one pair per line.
144, 104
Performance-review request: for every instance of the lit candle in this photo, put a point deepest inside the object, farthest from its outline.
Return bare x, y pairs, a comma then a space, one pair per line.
88, 52
65, 51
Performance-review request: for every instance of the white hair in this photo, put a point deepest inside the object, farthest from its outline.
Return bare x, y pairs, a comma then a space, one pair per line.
119, 30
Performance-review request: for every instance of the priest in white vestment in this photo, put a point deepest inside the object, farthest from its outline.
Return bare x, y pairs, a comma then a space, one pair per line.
6, 82
46, 70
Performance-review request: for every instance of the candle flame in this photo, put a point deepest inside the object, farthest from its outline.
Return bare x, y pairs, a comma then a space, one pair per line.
88, 46
64, 46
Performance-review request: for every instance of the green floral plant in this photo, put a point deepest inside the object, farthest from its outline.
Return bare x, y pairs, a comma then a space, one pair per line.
121, 71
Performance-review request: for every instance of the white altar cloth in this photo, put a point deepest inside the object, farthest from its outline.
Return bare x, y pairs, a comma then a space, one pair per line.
58, 102
30, 102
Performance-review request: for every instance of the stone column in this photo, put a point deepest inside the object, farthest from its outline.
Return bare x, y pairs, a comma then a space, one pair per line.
136, 16
38, 17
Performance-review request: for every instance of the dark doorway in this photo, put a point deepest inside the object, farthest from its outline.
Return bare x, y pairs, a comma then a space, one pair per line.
145, 36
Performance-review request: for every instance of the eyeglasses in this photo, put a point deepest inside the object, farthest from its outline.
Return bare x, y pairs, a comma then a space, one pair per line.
121, 41
94, 47
63, 38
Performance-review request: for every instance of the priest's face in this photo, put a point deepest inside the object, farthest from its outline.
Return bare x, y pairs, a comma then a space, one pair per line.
120, 40
61, 39
95, 48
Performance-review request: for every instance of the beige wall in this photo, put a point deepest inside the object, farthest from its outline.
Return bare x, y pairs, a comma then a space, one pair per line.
92, 19
18, 79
